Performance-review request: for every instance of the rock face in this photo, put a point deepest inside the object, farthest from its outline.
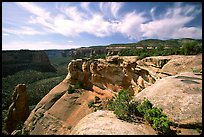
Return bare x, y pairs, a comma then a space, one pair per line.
162, 66
106, 123
179, 96
14, 61
113, 73
18, 110
59, 112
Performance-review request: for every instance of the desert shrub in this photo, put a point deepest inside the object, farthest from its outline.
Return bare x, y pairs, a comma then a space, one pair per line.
91, 104
111, 105
125, 110
120, 105
155, 117
78, 85
143, 107
71, 90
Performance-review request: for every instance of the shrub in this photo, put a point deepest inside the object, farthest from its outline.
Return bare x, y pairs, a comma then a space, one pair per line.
111, 105
146, 105
71, 90
91, 104
121, 104
125, 110
155, 117
78, 85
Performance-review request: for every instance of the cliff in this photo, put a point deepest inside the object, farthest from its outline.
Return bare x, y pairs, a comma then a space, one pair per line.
14, 61
60, 111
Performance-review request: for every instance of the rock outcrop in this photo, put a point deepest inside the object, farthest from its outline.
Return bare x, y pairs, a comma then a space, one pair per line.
103, 122
163, 66
18, 110
179, 96
113, 73
59, 112
14, 61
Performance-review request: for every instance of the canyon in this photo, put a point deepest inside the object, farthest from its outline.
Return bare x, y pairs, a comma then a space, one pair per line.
15, 61
59, 112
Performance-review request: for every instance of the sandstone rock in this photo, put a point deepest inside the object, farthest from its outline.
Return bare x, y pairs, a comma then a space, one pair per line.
103, 122
18, 110
59, 112
113, 73
162, 66
179, 96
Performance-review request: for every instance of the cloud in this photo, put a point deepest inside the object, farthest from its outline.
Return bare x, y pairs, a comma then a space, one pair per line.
23, 31
130, 25
70, 41
32, 8
110, 7
72, 21
172, 24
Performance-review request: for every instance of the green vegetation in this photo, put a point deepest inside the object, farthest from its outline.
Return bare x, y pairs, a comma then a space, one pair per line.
91, 104
127, 111
38, 85
72, 89
120, 105
188, 48
101, 56
155, 117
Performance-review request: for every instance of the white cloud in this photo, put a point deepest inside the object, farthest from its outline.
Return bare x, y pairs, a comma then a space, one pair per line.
86, 7
70, 41
188, 32
32, 8
172, 24
130, 25
110, 7
72, 21
23, 31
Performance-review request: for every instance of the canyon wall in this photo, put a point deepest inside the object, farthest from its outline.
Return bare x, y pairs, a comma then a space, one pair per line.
14, 61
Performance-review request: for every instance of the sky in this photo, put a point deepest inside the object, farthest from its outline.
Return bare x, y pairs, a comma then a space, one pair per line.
66, 25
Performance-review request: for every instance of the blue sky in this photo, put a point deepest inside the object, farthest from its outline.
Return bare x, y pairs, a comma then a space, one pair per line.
66, 25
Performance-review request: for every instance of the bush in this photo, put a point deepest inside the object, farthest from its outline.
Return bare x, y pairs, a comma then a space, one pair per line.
120, 105
71, 90
91, 104
78, 85
155, 117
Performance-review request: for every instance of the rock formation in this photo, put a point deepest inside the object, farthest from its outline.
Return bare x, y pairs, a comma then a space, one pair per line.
179, 96
59, 112
14, 61
113, 73
106, 123
18, 110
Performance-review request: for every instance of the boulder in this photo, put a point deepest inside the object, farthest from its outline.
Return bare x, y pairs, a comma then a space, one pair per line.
179, 96
103, 122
